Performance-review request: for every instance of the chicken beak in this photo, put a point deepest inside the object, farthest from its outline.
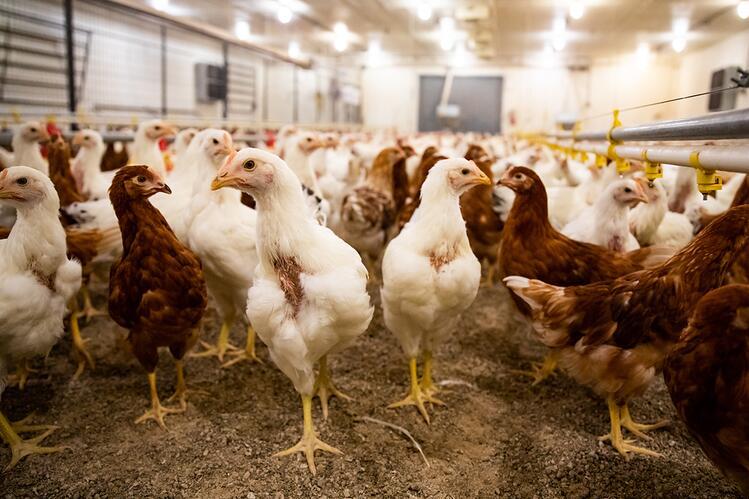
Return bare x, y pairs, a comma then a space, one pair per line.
640, 194
482, 179
223, 180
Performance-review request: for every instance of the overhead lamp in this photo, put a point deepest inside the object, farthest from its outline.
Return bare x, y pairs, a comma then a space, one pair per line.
294, 51
340, 28
680, 26
242, 29
559, 42
679, 43
160, 4
374, 52
742, 9
284, 14
424, 11
560, 25
447, 24
577, 10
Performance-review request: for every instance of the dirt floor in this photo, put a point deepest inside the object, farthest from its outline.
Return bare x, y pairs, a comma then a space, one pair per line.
497, 437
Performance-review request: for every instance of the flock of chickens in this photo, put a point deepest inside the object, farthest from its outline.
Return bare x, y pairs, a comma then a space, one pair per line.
621, 277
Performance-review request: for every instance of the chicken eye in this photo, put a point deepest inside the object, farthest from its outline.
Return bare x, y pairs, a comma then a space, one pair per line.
32, 129
22, 181
627, 190
518, 176
249, 165
141, 179
157, 127
465, 171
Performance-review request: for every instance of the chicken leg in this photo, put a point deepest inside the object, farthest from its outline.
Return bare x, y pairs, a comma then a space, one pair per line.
541, 371
615, 436
89, 310
324, 387
79, 343
157, 411
221, 346
428, 388
309, 442
416, 396
638, 429
181, 392
21, 376
247, 354
20, 448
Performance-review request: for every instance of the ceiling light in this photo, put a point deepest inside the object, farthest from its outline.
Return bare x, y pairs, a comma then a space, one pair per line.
742, 9
447, 43
340, 28
294, 51
424, 11
576, 10
447, 24
680, 26
374, 53
560, 25
559, 42
242, 30
160, 4
679, 43
284, 14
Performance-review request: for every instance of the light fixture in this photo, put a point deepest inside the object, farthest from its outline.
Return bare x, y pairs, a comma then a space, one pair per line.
742, 9
642, 54
242, 30
680, 26
340, 28
679, 43
294, 51
447, 24
560, 25
340, 36
577, 10
424, 11
340, 44
284, 14
559, 42
374, 52
160, 4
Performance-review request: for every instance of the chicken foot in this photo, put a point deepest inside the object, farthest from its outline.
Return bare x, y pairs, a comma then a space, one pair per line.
541, 371
79, 343
21, 376
247, 354
309, 442
21, 448
89, 311
615, 436
157, 411
416, 396
324, 387
181, 392
428, 388
638, 429
221, 346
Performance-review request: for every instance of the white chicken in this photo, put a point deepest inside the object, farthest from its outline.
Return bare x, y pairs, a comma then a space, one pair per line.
26, 150
181, 143
86, 166
309, 298
145, 147
297, 151
430, 275
222, 233
605, 223
37, 281
653, 224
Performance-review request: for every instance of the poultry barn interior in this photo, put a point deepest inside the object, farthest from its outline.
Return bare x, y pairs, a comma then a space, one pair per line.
386, 248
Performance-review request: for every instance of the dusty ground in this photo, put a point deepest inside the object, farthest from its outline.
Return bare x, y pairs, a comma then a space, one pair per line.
498, 436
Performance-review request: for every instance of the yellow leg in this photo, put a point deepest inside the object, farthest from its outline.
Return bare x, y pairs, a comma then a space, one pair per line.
79, 343
221, 346
89, 310
309, 442
20, 448
617, 441
416, 396
324, 387
541, 371
638, 429
428, 388
157, 411
248, 353
182, 391
21, 376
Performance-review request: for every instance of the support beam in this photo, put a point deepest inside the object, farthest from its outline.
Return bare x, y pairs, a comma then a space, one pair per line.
164, 105
70, 58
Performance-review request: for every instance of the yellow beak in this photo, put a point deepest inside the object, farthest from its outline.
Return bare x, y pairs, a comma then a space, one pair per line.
220, 182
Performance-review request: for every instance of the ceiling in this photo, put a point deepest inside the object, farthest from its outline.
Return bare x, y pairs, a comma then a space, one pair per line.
508, 31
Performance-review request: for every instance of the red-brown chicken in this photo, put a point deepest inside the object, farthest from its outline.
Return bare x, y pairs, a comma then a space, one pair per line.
157, 289
58, 156
613, 336
532, 248
483, 225
707, 375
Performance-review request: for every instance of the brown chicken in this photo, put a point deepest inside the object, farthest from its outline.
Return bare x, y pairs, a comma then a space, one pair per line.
428, 160
614, 336
707, 375
58, 156
114, 159
483, 225
157, 289
532, 248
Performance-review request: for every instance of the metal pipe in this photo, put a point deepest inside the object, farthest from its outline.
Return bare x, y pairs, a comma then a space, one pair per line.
163, 72
70, 56
715, 126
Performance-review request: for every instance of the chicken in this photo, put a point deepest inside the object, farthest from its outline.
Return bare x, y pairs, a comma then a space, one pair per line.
531, 247
309, 298
156, 290
653, 224
115, 157
369, 211
429, 159
58, 154
483, 225
86, 165
145, 147
296, 152
181, 143
706, 374
606, 223
37, 281
430, 275
613, 336
222, 235
26, 150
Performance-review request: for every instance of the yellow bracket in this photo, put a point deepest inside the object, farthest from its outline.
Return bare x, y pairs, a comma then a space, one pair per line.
652, 170
707, 180
622, 165
601, 161
17, 118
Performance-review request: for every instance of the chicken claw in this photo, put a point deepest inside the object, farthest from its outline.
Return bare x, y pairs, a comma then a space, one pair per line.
309, 442
79, 344
416, 396
21, 448
428, 388
182, 391
541, 371
89, 311
157, 411
247, 354
615, 436
21, 376
221, 346
636, 428
324, 387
